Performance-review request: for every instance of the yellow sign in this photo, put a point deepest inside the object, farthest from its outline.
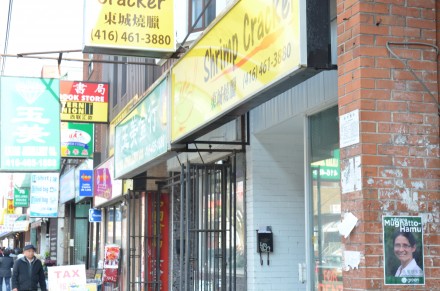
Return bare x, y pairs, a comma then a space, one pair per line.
255, 44
129, 27
11, 208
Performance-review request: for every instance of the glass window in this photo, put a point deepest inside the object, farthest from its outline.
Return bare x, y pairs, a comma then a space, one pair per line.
325, 177
196, 8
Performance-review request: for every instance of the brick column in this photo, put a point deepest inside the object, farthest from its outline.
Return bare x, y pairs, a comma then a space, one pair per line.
399, 129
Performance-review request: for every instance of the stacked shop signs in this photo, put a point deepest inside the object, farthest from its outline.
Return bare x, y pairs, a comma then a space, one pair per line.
137, 28
253, 47
142, 135
30, 124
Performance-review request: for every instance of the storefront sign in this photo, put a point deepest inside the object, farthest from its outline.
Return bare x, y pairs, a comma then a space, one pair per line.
253, 46
77, 140
95, 215
86, 183
105, 187
30, 124
111, 263
44, 195
164, 241
67, 278
142, 135
21, 197
9, 220
142, 28
328, 169
67, 186
403, 250
10, 206
84, 101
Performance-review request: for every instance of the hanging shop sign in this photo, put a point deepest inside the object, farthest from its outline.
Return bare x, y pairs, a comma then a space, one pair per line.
253, 46
21, 197
44, 195
84, 101
77, 140
30, 124
86, 183
142, 135
95, 215
105, 187
67, 186
403, 250
10, 209
138, 28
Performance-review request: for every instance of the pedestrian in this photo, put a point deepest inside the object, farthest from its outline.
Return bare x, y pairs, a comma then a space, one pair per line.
6, 263
28, 272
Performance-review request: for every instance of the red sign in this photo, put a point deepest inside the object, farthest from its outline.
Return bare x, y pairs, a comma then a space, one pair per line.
84, 101
164, 217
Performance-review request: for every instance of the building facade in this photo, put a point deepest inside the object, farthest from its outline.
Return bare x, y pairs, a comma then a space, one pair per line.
300, 184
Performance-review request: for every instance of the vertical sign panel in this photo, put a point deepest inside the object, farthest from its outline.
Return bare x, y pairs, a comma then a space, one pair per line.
77, 140
30, 124
44, 195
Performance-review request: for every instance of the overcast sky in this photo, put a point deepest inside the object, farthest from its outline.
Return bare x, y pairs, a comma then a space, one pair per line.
40, 26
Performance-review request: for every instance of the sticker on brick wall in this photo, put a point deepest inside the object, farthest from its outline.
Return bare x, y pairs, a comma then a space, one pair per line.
403, 250
349, 129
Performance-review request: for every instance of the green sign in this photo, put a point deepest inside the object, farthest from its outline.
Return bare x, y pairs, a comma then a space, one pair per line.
30, 124
403, 250
328, 169
142, 135
77, 140
21, 197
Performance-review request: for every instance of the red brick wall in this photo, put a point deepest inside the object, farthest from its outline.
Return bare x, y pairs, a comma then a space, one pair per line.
399, 128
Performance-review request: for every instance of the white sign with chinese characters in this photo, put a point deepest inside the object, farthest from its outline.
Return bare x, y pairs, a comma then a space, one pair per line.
349, 128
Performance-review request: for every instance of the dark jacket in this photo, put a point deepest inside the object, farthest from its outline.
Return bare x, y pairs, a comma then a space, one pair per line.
26, 276
6, 264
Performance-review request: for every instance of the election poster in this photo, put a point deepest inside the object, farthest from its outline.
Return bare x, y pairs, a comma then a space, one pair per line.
403, 250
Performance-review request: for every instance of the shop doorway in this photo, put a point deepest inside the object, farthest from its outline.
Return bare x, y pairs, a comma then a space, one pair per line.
206, 240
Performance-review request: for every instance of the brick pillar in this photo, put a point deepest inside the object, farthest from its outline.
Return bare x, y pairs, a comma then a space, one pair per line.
399, 129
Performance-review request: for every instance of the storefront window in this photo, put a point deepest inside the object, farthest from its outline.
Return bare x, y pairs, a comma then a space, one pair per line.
114, 225
325, 177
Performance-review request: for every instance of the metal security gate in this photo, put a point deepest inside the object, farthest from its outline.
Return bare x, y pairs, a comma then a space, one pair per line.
144, 241
207, 223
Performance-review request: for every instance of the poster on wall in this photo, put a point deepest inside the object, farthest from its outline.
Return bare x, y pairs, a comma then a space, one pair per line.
403, 250
111, 263
72, 277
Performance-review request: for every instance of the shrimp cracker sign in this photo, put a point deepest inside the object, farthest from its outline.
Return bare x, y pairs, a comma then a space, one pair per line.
129, 27
403, 250
256, 44
84, 101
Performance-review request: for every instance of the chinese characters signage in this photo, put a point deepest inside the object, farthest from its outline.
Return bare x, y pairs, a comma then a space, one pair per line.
142, 135
44, 195
256, 44
30, 124
77, 140
403, 250
84, 101
138, 28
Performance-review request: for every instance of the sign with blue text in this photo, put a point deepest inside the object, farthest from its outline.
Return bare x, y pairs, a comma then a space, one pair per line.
44, 195
86, 183
30, 124
95, 215
403, 250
